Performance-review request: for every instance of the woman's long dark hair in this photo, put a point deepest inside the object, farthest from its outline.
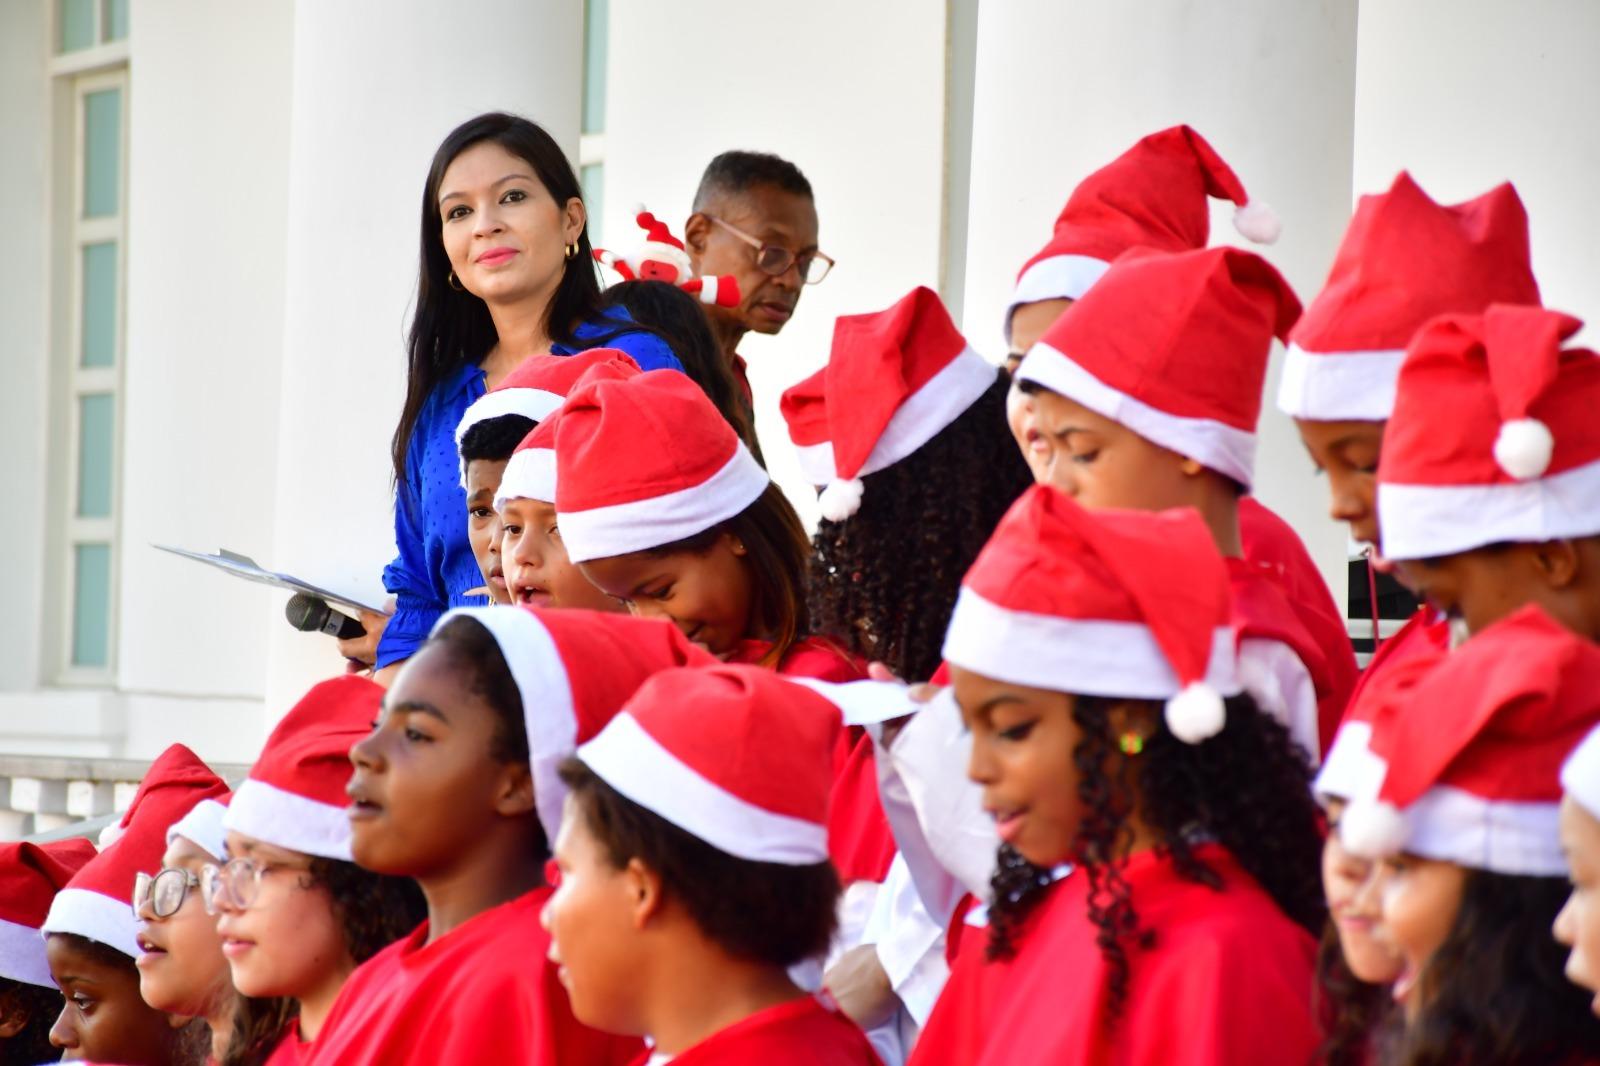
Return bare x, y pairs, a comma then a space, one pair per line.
374, 910
884, 581
452, 327
1248, 788
679, 320
1494, 993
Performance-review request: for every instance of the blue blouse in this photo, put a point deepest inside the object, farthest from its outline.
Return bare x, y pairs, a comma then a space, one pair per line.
434, 565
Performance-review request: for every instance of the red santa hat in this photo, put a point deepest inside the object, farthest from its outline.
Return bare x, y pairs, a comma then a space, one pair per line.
530, 473
893, 380
535, 389
734, 755
295, 795
1404, 260
98, 902
30, 877
574, 669
1480, 786
1580, 774
647, 462
1351, 763
1154, 195
1127, 604
203, 826
1493, 438
662, 258
1174, 347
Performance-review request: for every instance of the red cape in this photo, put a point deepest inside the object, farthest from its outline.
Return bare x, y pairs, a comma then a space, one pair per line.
802, 1032
1227, 982
484, 992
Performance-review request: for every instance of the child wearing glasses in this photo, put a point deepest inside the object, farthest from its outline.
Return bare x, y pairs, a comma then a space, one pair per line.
295, 915
92, 932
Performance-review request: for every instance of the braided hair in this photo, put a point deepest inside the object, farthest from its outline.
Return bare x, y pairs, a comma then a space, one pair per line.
1248, 788
884, 581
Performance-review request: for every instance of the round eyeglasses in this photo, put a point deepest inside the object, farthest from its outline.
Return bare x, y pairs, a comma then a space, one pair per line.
236, 884
163, 892
775, 260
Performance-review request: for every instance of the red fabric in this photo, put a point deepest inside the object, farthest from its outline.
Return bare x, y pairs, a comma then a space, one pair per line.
1261, 610
802, 1032
1426, 633
1227, 983
1271, 543
813, 657
291, 1050
859, 839
485, 992
956, 938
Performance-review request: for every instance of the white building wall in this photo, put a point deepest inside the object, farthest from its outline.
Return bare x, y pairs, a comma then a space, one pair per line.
1469, 93
1062, 88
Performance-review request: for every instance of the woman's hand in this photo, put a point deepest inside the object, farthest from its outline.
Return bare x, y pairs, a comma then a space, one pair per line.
361, 653
919, 694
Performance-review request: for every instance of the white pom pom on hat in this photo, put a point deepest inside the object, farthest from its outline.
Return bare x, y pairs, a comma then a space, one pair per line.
1523, 448
1257, 222
841, 498
1196, 713
1372, 829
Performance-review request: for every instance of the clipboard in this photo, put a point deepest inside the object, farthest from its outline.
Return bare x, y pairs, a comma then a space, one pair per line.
242, 566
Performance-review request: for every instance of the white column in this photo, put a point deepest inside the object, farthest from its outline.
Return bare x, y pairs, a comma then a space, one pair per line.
377, 85
1063, 86
1469, 93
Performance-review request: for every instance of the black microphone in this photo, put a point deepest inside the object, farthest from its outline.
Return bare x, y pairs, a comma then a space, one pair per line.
311, 614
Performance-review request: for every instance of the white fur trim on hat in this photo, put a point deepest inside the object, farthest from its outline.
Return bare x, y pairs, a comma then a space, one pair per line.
1352, 768
1060, 277
942, 399
638, 525
1221, 447
1257, 222
1523, 448
22, 956
634, 763
1452, 825
1580, 774
1372, 828
548, 712
203, 826
1427, 521
1196, 713
1084, 656
87, 913
841, 499
529, 475
1339, 386
535, 404
289, 820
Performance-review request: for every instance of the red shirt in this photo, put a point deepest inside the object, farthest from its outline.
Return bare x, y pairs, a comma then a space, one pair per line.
1426, 632
291, 1050
802, 1032
1227, 982
813, 657
484, 992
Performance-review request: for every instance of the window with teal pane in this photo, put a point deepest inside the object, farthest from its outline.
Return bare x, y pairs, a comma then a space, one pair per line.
91, 605
102, 152
596, 30
75, 19
114, 20
96, 417
593, 180
98, 315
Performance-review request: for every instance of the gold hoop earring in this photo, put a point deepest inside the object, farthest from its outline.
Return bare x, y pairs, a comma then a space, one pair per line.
572, 250
454, 284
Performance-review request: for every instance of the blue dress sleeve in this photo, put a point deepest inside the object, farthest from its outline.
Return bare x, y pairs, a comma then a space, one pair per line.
410, 577
648, 350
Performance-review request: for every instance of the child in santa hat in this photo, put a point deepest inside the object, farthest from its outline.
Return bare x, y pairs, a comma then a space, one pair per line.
1489, 483
1147, 392
1459, 807
538, 571
181, 966
695, 872
1093, 662
666, 511
295, 914
1578, 925
457, 788
30, 876
91, 934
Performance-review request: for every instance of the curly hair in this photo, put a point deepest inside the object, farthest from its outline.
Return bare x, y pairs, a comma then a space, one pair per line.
884, 581
1350, 1010
41, 1006
1248, 789
1494, 991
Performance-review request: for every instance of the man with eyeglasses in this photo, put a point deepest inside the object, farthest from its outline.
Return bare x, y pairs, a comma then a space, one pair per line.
754, 218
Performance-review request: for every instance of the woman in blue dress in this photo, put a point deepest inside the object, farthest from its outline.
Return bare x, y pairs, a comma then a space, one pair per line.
506, 273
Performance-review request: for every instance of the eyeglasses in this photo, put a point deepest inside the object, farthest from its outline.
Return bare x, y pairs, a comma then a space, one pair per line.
776, 261
237, 883
163, 892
